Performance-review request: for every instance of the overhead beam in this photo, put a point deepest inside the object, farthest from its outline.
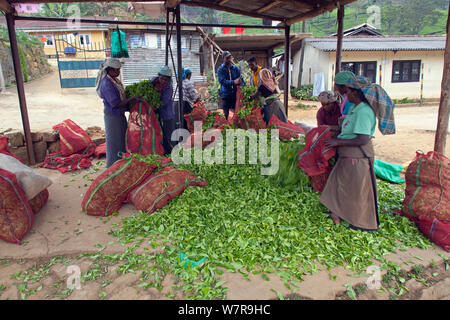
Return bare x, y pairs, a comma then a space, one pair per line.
268, 6
223, 2
228, 9
6, 7
315, 12
444, 105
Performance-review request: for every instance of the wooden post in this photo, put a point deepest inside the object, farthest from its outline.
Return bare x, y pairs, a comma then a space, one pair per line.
180, 68
20, 87
287, 58
340, 35
444, 105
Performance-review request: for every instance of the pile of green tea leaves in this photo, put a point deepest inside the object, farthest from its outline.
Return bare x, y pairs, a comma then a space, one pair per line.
210, 119
247, 92
146, 90
249, 223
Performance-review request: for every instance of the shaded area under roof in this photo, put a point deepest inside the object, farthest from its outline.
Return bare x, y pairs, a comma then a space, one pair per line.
286, 11
387, 43
259, 41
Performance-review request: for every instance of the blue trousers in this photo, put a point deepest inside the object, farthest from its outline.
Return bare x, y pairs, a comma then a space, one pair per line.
115, 129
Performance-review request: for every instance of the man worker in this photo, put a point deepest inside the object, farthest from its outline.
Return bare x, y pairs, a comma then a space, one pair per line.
229, 78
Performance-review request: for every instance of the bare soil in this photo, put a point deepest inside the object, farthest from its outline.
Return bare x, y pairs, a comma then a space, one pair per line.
62, 230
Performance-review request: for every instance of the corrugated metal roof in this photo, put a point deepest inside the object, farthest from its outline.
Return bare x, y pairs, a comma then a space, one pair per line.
387, 43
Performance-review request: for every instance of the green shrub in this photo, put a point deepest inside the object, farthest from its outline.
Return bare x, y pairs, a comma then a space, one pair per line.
303, 93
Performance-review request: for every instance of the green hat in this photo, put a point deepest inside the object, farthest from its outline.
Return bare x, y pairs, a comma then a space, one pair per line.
342, 77
165, 71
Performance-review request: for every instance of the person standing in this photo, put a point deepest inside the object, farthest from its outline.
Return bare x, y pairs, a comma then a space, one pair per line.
339, 85
166, 112
229, 78
112, 91
255, 82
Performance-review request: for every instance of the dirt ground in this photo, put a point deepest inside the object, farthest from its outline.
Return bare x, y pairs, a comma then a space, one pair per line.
61, 231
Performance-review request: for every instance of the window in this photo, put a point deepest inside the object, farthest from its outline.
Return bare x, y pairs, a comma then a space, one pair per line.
366, 69
406, 71
85, 39
47, 40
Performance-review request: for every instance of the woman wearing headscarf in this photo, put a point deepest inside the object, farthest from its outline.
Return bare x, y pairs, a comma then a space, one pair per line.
111, 90
269, 90
339, 85
163, 83
350, 193
330, 111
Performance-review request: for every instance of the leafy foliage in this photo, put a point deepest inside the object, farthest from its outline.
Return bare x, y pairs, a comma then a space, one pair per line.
146, 90
303, 93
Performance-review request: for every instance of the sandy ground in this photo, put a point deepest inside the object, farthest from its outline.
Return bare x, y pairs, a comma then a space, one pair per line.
62, 229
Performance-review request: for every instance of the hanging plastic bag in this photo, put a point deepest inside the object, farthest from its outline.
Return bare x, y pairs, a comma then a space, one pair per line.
119, 47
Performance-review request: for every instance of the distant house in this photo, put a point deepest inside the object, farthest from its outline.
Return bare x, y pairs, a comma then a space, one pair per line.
146, 48
93, 37
397, 63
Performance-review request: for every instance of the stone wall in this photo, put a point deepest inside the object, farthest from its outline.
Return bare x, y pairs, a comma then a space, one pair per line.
44, 142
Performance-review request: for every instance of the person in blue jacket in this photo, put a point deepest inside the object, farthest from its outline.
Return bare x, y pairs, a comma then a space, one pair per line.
229, 78
163, 83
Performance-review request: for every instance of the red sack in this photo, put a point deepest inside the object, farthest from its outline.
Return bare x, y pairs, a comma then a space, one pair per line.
72, 137
252, 121
38, 202
434, 229
144, 135
76, 161
100, 150
313, 160
110, 189
318, 182
16, 215
160, 188
198, 113
198, 140
220, 122
287, 130
4, 148
427, 187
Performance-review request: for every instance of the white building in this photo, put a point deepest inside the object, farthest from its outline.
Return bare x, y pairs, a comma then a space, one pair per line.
400, 64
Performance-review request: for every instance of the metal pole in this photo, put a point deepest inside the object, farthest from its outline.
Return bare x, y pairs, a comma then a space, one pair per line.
340, 35
167, 37
20, 88
287, 59
444, 105
180, 67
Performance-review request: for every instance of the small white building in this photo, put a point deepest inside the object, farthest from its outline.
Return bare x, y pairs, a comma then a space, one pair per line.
400, 64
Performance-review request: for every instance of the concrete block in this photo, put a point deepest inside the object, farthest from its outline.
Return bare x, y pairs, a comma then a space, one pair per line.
99, 141
36, 136
21, 153
40, 151
49, 136
15, 138
54, 147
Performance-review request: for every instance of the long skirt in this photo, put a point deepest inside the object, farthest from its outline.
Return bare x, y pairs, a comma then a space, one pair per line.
276, 107
115, 129
350, 192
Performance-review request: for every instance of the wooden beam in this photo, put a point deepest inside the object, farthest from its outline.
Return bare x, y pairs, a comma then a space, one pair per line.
318, 11
223, 2
287, 69
444, 105
172, 3
6, 7
214, 6
268, 6
340, 36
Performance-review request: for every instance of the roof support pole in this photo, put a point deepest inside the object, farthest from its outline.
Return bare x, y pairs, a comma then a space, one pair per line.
167, 36
20, 88
444, 105
287, 60
340, 35
180, 68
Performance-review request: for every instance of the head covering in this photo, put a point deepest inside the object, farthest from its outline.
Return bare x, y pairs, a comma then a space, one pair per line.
165, 71
268, 80
226, 54
379, 101
342, 77
329, 97
186, 73
109, 63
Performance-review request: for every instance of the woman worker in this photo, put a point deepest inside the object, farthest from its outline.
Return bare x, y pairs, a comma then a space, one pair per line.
163, 83
339, 85
268, 89
330, 111
190, 95
111, 90
350, 192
